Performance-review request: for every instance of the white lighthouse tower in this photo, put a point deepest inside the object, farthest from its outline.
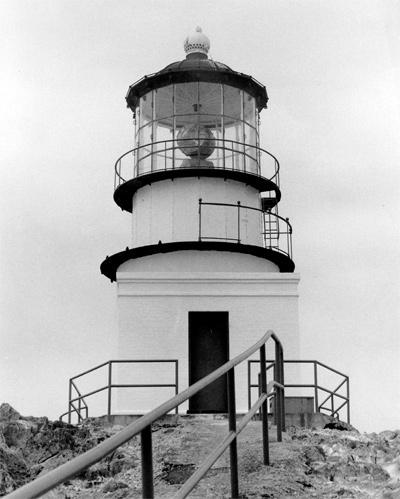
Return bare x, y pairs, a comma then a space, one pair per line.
209, 268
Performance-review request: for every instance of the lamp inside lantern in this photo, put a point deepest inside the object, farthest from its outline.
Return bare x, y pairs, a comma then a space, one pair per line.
197, 142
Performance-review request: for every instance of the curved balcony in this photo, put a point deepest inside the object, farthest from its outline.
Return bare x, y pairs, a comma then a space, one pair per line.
185, 157
274, 244
276, 231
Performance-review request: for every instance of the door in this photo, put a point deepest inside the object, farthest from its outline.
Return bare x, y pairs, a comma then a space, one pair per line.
208, 350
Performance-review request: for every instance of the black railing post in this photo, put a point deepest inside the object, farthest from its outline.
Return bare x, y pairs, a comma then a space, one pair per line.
232, 428
348, 399
109, 388
80, 408
264, 408
238, 205
200, 200
69, 401
316, 386
147, 463
249, 385
176, 383
288, 237
278, 392
275, 375
282, 376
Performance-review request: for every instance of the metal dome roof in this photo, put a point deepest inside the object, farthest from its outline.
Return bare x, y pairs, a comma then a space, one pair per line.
192, 63
197, 67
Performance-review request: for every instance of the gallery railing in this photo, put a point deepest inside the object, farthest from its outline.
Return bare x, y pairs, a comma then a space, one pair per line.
334, 403
277, 233
77, 404
142, 426
169, 155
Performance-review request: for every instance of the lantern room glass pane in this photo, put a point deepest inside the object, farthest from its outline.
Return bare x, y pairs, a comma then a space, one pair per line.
186, 103
146, 109
232, 105
144, 153
249, 111
164, 105
210, 104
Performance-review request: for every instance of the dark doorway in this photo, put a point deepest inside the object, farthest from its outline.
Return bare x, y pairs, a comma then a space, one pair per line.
208, 350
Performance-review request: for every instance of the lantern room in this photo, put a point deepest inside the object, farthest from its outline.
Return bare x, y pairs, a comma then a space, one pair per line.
197, 124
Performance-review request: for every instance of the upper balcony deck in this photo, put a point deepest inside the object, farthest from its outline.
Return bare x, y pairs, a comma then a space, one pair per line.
164, 159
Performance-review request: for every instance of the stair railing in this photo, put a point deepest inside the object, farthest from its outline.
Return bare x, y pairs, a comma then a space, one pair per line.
142, 426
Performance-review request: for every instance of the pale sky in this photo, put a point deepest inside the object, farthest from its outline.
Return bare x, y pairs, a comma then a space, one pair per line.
332, 72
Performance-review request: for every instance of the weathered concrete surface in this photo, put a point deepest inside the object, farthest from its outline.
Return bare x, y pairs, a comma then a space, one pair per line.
309, 463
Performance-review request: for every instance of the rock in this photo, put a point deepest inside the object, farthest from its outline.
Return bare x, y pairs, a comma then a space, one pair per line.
112, 485
335, 424
16, 433
7, 484
7, 413
393, 469
13, 469
119, 464
389, 435
176, 473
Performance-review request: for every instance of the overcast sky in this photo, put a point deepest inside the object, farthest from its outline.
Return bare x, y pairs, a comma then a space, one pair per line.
333, 78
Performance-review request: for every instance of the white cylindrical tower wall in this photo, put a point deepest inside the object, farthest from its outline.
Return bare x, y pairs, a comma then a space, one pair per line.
168, 211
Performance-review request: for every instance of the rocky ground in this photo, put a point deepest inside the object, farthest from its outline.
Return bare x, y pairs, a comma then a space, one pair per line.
321, 463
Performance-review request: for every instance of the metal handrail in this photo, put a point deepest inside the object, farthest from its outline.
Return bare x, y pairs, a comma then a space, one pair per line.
172, 145
268, 235
67, 470
318, 406
82, 398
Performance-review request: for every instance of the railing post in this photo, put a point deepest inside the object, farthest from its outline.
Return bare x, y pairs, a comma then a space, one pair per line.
278, 394
316, 386
69, 401
348, 399
238, 205
80, 409
109, 388
248, 385
275, 378
232, 427
282, 377
176, 383
264, 408
200, 200
147, 463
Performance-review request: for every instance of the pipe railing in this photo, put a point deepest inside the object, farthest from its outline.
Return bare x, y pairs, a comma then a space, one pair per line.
82, 411
277, 233
329, 403
168, 155
142, 426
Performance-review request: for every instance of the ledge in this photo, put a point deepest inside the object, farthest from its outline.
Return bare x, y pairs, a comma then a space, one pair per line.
124, 193
110, 265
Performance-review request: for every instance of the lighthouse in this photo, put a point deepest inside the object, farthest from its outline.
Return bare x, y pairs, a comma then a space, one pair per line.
209, 267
